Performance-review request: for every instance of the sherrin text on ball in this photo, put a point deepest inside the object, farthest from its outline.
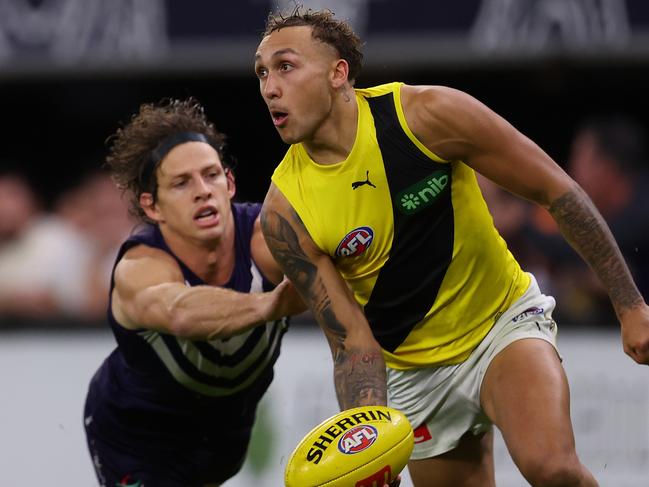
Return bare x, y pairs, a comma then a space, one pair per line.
359, 447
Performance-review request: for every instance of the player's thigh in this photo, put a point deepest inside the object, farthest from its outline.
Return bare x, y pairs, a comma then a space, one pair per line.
470, 464
525, 393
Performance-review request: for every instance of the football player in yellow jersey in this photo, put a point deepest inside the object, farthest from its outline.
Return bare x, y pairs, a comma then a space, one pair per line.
360, 284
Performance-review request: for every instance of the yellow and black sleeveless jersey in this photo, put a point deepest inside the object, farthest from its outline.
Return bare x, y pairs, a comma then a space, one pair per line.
410, 233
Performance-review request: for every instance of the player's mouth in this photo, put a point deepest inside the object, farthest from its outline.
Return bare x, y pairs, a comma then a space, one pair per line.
206, 216
279, 117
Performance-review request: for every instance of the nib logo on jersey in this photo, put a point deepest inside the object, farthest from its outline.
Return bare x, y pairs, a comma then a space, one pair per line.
423, 193
355, 242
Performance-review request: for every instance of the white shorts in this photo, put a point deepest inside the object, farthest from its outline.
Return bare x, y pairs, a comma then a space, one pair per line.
443, 403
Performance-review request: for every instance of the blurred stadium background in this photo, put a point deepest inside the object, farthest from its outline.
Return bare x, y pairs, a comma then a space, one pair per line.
71, 70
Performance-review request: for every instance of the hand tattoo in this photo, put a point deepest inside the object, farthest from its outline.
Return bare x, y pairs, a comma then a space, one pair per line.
359, 377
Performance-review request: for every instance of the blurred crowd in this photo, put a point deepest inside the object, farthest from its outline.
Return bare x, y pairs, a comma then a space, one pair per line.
56, 262
608, 158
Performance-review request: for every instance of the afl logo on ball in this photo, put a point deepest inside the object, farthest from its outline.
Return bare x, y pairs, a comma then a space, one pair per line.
358, 439
355, 242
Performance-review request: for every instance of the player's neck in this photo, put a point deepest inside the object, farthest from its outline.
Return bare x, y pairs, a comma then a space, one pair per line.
333, 141
211, 260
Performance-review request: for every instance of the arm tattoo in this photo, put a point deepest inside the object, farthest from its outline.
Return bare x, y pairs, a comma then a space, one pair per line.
585, 229
285, 247
359, 374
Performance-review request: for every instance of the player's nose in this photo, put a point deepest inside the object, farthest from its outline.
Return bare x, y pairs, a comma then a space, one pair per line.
203, 189
271, 88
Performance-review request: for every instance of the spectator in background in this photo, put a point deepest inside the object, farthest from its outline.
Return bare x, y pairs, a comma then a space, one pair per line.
56, 265
37, 252
608, 158
511, 217
96, 211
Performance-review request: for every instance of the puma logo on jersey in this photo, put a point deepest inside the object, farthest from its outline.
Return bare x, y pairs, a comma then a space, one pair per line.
423, 193
361, 183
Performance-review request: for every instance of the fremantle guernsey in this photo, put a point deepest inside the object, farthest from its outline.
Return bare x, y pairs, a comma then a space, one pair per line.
410, 233
156, 373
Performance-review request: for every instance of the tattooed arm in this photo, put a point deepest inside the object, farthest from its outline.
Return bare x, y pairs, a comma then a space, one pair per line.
359, 368
457, 127
585, 229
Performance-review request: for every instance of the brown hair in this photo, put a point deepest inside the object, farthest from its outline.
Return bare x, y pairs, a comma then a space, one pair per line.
130, 151
325, 28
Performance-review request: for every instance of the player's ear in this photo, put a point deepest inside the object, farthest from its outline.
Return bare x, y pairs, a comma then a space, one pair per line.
147, 203
340, 73
232, 186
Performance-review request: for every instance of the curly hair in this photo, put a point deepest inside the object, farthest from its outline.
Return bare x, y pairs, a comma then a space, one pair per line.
336, 33
131, 147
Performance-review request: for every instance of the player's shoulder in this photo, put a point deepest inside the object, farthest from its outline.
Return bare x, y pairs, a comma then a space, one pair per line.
143, 259
433, 96
275, 202
439, 109
143, 251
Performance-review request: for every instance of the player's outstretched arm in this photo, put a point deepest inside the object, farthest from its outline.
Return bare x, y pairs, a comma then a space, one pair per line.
150, 293
457, 127
585, 229
359, 368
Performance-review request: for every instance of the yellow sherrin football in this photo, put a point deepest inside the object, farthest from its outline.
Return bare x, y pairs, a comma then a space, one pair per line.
360, 447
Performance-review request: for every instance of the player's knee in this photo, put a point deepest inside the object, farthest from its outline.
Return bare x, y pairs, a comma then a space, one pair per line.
555, 472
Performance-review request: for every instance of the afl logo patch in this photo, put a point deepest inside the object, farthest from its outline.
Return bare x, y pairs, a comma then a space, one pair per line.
355, 242
358, 439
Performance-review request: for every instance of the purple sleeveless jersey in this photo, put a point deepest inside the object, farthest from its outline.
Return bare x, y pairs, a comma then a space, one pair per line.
159, 396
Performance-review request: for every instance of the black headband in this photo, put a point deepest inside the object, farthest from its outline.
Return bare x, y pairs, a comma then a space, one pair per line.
164, 147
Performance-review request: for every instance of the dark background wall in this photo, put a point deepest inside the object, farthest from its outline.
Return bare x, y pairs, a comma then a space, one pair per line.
55, 128
58, 108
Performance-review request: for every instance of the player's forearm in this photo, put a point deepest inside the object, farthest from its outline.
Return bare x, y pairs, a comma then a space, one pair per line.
359, 368
359, 377
585, 229
205, 312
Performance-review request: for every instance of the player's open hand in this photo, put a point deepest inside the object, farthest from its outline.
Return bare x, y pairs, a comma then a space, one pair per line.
635, 333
